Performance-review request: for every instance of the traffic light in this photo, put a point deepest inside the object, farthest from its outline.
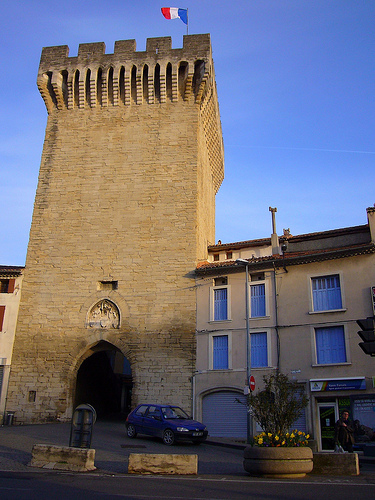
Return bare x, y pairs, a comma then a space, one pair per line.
367, 334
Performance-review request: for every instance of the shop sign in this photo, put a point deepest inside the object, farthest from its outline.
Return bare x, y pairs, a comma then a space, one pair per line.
340, 384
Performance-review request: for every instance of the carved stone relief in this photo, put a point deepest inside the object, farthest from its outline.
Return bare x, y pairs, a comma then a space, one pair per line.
104, 314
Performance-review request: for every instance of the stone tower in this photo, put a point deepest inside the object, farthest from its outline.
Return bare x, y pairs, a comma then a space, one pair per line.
124, 210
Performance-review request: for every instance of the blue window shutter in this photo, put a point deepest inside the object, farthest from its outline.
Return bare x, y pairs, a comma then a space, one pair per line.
220, 352
259, 351
258, 300
326, 293
330, 345
220, 304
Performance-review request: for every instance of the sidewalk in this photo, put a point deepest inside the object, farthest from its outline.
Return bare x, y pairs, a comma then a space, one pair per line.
112, 448
16, 444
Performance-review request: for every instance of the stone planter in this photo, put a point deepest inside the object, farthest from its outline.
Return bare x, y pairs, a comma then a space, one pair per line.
278, 462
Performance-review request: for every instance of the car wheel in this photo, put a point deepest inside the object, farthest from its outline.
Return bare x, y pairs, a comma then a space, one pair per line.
130, 431
168, 437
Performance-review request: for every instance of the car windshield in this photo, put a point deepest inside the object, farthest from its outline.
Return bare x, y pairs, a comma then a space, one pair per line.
174, 412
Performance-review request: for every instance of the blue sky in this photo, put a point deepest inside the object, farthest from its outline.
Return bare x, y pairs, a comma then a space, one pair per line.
296, 84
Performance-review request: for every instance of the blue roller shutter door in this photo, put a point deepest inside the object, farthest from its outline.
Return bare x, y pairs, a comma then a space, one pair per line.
223, 415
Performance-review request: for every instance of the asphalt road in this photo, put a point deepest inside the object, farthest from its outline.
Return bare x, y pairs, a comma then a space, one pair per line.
37, 486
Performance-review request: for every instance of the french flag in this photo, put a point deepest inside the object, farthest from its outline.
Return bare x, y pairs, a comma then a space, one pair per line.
175, 13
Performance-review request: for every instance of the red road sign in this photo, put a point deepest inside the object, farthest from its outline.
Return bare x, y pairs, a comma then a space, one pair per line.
252, 383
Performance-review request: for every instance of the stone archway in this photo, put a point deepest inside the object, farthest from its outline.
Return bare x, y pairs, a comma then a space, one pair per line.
104, 380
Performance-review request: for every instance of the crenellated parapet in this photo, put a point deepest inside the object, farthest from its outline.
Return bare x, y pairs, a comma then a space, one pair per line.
126, 77
158, 75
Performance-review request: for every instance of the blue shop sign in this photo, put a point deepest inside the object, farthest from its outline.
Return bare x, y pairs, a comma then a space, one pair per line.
339, 384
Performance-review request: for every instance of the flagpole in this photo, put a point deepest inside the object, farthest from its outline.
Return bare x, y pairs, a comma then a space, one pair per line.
187, 19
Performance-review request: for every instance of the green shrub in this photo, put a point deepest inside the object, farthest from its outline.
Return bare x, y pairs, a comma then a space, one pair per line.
278, 405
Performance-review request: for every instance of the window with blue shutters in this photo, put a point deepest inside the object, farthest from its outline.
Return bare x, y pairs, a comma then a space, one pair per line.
220, 352
220, 304
326, 292
259, 350
258, 300
330, 345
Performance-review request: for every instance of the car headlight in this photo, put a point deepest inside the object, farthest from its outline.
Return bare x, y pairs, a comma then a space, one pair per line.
182, 429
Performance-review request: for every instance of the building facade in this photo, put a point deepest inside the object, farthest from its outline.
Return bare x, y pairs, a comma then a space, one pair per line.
10, 294
124, 211
304, 297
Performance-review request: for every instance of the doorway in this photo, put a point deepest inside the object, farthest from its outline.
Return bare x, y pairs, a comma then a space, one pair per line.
328, 415
104, 380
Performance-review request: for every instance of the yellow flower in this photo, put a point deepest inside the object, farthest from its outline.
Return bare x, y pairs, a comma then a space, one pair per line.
287, 434
260, 441
269, 435
277, 438
307, 436
292, 435
299, 433
283, 443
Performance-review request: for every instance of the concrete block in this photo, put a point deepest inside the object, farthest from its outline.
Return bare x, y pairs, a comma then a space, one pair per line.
336, 464
149, 463
62, 458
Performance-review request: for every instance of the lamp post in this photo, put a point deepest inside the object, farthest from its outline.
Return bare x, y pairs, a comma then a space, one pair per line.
245, 263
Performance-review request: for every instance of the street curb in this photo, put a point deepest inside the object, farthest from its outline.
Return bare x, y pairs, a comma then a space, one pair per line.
236, 446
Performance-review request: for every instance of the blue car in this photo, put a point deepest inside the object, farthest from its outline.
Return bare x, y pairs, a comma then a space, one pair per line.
168, 422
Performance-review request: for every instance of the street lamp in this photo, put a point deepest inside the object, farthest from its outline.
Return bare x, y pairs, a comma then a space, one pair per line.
245, 263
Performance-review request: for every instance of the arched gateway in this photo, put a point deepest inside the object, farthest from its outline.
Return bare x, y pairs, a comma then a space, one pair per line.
104, 380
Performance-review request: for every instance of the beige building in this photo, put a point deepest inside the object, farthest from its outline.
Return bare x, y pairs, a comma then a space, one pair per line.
124, 211
10, 294
305, 294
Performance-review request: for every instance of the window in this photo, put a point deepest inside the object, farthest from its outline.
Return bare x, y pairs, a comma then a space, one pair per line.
142, 410
259, 350
32, 396
221, 281
107, 285
220, 304
7, 285
220, 299
326, 293
220, 352
330, 345
154, 412
258, 300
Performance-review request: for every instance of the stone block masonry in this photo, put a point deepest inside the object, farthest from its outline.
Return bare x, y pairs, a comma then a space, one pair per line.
152, 463
62, 458
124, 210
336, 464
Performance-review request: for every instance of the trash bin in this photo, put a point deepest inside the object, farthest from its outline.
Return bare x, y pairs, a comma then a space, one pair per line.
83, 420
9, 417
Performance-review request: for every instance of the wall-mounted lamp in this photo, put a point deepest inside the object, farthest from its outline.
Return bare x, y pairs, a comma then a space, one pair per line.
284, 247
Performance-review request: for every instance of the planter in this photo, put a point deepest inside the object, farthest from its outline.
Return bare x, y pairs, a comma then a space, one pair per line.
278, 462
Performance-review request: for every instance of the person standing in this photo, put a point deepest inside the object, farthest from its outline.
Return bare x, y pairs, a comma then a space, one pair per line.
344, 432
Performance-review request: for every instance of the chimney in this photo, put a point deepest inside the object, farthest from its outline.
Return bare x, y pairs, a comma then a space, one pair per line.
274, 237
371, 222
